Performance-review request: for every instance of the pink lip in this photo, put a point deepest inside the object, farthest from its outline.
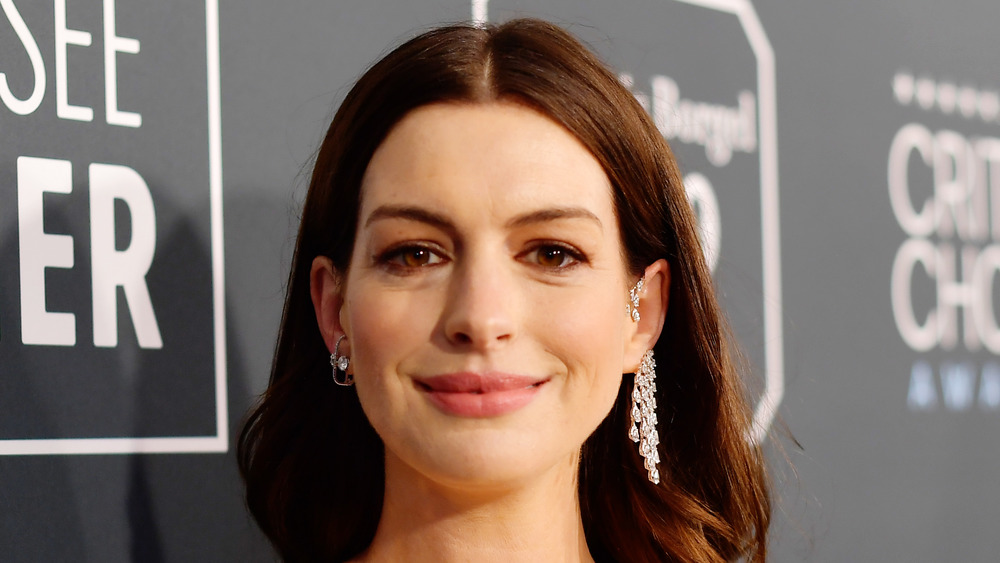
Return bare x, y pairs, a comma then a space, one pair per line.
478, 395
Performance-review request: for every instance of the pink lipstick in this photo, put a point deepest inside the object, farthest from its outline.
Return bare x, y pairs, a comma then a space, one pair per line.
478, 395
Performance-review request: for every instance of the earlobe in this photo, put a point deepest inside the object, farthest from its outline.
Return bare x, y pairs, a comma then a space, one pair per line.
324, 288
651, 305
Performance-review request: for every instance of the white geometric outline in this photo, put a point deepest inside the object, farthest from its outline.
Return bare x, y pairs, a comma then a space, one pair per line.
774, 358
479, 11
200, 444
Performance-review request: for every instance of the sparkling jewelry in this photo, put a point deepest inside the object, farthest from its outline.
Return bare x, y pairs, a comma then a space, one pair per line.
339, 364
643, 428
632, 308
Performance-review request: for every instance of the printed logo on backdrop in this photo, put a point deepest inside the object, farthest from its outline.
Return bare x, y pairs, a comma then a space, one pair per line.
705, 72
714, 132
111, 305
944, 189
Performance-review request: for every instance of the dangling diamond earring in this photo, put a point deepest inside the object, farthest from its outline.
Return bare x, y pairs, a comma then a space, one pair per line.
340, 363
644, 415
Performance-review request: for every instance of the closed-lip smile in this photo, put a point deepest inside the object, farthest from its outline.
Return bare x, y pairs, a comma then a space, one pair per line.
479, 395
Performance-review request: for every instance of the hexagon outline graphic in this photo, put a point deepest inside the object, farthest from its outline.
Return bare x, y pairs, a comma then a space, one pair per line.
774, 360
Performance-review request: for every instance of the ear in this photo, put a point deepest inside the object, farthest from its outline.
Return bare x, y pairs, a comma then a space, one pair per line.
653, 299
325, 289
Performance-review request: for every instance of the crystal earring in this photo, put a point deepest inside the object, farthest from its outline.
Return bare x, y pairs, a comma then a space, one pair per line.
643, 428
340, 363
632, 308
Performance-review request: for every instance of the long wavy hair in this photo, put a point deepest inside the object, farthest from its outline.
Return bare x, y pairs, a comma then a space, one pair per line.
313, 465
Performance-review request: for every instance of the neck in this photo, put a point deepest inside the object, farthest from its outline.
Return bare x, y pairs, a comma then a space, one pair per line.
536, 520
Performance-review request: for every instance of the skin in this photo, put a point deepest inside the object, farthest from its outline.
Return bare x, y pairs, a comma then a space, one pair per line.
487, 242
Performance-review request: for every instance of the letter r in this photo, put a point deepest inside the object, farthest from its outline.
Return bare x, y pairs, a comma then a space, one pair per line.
127, 268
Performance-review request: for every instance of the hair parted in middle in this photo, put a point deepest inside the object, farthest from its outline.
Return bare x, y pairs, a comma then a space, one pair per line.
314, 467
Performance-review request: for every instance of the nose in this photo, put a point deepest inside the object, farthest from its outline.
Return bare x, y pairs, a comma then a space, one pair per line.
481, 307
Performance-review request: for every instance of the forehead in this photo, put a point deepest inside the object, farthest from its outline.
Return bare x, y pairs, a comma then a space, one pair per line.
484, 159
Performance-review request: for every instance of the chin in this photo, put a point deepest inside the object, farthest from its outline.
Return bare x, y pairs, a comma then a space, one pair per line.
490, 462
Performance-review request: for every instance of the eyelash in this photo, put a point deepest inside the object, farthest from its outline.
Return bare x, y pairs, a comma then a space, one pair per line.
394, 257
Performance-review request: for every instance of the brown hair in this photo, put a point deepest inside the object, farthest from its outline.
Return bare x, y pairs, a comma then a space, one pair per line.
313, 465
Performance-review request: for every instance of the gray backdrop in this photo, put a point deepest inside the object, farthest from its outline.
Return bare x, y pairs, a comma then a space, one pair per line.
844, 158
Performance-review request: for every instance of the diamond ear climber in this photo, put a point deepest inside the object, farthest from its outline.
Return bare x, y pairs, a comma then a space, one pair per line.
632, 307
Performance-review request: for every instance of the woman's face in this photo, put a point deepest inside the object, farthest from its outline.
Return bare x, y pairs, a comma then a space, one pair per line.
485, 301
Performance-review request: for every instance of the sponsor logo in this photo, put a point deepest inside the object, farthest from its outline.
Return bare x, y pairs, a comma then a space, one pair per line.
944, 190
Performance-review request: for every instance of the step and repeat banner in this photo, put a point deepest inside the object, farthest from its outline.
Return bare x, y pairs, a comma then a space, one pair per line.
843, 160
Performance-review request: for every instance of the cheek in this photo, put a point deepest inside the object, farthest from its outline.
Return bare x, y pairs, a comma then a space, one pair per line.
587, 335
385, 328
385, 324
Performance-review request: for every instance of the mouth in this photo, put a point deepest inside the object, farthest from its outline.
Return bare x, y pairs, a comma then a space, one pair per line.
476, 395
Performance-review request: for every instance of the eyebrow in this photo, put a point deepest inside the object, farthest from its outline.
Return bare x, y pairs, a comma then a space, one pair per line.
553, 213
411, 213
421, 215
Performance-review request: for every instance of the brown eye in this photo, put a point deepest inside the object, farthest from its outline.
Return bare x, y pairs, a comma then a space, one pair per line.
554, 257
410, 257
416, 257
551, 256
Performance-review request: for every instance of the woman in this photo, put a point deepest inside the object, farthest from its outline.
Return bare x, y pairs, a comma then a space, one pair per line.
492, 236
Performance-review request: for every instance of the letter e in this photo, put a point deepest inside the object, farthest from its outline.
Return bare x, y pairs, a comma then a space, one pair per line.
39, 250
64, 37
112, 46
